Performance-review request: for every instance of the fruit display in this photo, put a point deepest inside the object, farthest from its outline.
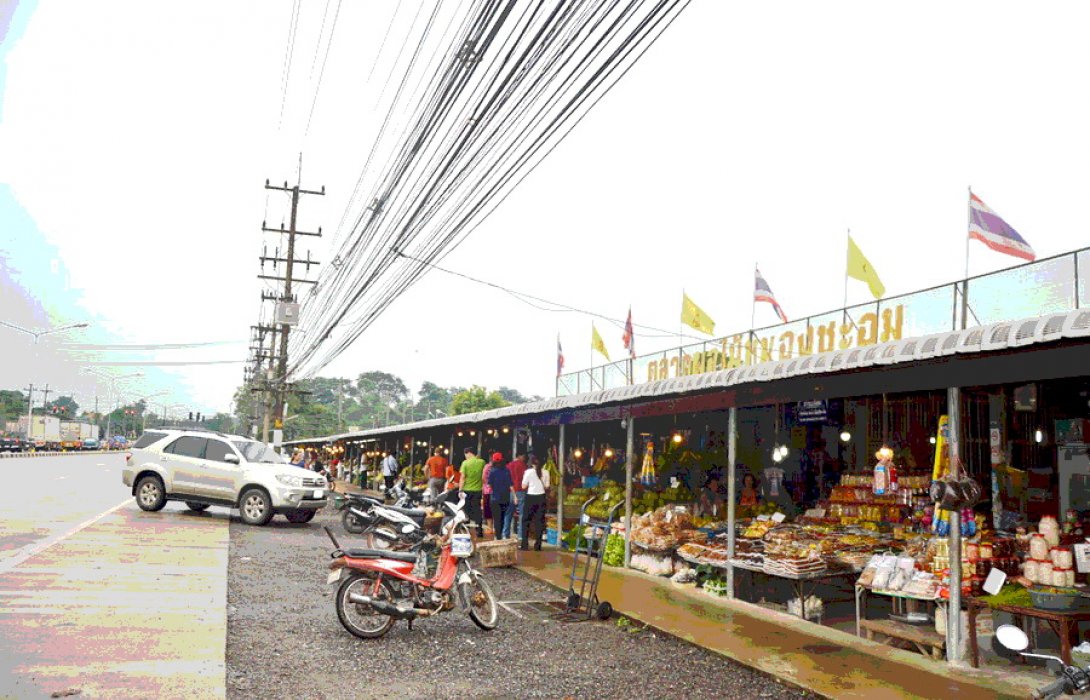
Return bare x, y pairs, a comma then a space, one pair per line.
664, 529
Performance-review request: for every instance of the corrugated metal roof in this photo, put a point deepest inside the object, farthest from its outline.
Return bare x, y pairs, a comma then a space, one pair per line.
980, 339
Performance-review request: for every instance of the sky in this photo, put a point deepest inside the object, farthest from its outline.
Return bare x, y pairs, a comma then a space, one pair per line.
136, 138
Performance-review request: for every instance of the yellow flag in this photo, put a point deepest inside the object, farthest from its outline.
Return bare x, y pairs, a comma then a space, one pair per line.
693, 315
596, 342
860, 268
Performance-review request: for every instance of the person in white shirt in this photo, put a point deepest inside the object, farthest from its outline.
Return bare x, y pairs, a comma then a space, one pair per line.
536, 482
390, 468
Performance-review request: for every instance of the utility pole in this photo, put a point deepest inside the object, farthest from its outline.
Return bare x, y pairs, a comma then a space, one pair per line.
287, 308
30, 413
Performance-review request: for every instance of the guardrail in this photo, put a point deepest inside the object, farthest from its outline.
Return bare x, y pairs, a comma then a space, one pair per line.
34, 453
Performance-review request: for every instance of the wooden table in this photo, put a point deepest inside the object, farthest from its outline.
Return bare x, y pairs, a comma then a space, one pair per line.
1064, 624
926, 640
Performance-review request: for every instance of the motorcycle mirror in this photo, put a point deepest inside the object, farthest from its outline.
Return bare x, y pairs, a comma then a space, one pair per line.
1012, 637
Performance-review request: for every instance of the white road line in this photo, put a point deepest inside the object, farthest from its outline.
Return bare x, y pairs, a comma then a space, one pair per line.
30, 550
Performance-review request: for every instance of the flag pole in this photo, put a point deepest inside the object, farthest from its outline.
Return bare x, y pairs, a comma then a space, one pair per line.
965, 283
847, 252
753, 300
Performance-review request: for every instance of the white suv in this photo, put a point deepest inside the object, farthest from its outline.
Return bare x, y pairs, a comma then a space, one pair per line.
205, 468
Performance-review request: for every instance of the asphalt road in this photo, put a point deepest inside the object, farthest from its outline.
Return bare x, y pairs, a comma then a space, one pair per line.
99, 598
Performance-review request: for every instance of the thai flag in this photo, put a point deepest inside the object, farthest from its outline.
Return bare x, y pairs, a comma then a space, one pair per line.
762, 292
629, 335
986, 227
559, 357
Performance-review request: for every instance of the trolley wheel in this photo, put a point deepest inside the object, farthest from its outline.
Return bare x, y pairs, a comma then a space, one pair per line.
604, 611
573, 600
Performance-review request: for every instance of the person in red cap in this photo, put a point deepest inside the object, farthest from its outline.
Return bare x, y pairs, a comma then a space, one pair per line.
499, 483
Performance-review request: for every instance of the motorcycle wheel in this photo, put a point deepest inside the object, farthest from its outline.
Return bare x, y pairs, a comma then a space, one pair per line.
483, 609
359, 619
351, 523
381, 538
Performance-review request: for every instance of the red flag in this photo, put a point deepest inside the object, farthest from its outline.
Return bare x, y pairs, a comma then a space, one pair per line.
629, 335
559, 357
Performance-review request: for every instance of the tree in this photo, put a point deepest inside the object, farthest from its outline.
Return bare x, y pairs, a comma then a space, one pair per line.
515, 396
12, 405
221, 422
387, 387
476, 398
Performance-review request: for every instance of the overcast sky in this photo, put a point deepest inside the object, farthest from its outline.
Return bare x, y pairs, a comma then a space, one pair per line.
135, 139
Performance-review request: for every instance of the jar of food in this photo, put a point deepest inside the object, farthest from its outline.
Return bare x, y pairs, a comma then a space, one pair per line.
1038, 547
1059, 578
1063, 558
1032, 570
986, 550
1050, 529
1044, 573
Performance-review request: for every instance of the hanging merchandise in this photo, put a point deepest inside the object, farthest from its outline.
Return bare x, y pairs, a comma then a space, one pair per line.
647, 472
882, 471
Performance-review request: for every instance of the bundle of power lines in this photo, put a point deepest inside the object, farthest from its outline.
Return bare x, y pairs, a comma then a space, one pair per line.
503, 86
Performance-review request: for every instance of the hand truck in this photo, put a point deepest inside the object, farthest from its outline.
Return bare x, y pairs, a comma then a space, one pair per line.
591, 545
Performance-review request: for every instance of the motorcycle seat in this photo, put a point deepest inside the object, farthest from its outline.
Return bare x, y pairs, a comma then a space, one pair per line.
414, 513
379, 554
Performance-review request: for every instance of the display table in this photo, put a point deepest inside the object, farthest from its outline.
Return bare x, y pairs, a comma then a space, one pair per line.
1064, 624
800, 582
925, 639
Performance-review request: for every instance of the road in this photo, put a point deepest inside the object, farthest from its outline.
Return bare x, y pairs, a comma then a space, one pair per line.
103, 598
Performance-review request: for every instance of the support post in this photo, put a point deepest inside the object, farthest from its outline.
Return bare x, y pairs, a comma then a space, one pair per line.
953, 612
630, 445
30, 416
732, 445
559, 487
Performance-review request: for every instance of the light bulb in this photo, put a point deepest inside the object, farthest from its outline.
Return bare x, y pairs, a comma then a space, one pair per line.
845, 436
608, 452
578, 453
932, 440
1039, 436
460, 433
506, 430
472, 432
677, 438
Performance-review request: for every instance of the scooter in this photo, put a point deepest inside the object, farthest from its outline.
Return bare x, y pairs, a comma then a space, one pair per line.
378, 588
1072, 681
356, 518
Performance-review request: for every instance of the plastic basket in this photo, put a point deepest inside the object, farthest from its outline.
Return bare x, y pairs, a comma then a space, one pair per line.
590, 482
498, 553
550, 536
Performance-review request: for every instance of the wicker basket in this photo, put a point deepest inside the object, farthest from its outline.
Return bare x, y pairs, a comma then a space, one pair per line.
496, 553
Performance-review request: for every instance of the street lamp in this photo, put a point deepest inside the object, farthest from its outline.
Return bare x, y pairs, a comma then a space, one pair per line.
40, 332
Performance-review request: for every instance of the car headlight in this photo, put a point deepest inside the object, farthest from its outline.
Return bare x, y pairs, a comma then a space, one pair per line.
288, 480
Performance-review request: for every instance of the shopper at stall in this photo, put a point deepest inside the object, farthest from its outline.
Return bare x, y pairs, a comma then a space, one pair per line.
390, 468
501, 487
711, 500
517, 469
437, 472
535, 481
472, 470
454, 478
817, 468
774, 489
748, 495
486, 489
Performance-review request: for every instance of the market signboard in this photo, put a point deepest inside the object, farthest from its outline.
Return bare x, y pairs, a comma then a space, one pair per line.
746, 349
812, 411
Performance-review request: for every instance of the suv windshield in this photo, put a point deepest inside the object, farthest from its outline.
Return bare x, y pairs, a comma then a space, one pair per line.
258, 452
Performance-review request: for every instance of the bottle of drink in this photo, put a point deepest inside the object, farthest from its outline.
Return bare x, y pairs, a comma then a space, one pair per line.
881, 479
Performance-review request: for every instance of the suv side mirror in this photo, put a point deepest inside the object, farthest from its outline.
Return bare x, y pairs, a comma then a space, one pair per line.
231, 459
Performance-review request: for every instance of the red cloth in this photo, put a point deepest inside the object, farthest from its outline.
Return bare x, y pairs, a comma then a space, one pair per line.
517, 469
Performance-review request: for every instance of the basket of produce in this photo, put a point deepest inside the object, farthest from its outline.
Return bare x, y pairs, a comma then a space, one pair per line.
1050, 598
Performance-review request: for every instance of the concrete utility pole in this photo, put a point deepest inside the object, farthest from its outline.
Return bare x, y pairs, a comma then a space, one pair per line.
30, 412
287, 307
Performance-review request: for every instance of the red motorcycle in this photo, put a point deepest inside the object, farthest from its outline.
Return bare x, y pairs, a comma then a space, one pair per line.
379, 587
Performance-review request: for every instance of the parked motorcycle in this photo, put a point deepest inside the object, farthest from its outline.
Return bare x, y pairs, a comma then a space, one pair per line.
355, 518
1072, 681
379, 587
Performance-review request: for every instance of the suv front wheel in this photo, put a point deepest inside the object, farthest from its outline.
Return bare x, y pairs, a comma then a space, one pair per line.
150, 494
255, 507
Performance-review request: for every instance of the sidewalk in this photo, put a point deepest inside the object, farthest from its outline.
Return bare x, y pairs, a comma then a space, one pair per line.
820, 659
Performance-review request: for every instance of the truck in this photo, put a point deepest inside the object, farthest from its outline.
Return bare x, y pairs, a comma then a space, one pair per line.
75, 433
44, 434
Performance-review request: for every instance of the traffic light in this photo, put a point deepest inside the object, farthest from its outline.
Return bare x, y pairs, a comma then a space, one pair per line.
198, 417
191, 416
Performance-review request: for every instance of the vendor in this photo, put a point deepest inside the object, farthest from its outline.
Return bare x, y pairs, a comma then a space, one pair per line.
748, 496
711, 497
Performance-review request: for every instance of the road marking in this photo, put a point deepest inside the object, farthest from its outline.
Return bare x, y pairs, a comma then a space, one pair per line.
28, 551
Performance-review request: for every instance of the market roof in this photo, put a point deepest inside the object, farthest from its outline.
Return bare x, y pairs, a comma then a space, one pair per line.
993, 337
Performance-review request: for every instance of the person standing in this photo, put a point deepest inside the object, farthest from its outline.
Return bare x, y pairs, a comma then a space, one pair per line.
499, 483
472, 483
536, 483
518, 508
390, 469
437, 472
486, 490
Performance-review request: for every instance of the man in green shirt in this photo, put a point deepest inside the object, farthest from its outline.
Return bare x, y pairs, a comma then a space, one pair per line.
472, 483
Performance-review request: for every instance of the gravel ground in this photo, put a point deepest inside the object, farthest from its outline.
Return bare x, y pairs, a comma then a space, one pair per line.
284, 640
